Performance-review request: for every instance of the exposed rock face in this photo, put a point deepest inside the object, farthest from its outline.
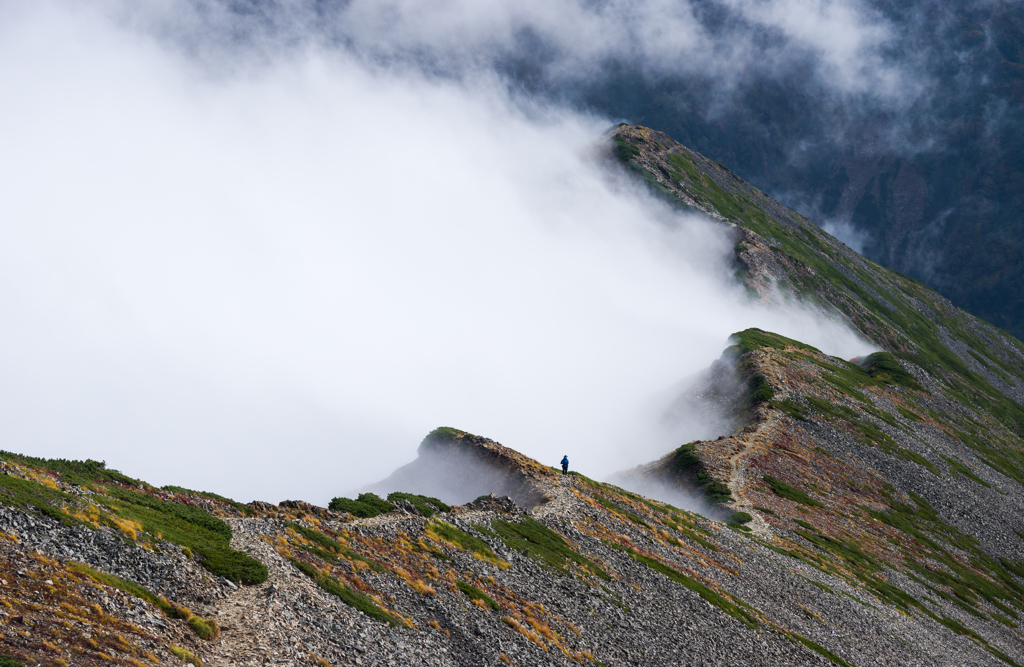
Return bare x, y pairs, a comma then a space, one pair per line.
457, 467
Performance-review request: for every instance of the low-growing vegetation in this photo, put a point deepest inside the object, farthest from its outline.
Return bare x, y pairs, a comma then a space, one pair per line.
365, 506
425, 505
185, 656
543, 545
619, 509
728, 606
475, 593
790, 492
169, 609
205, 628
332, 550
687, 463
131, 507
445, 532
350, 597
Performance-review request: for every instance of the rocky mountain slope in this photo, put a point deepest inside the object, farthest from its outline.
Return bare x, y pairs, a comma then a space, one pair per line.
932, 187
864, 512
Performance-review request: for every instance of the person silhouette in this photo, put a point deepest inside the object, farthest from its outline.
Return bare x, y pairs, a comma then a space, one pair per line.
565, 464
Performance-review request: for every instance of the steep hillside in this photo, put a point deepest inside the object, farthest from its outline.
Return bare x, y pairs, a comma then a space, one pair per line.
933, 187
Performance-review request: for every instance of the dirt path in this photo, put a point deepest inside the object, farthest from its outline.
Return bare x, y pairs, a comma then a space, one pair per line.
562, 498
252, 632
738, 477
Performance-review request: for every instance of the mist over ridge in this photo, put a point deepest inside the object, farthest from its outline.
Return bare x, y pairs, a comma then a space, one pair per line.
226, 280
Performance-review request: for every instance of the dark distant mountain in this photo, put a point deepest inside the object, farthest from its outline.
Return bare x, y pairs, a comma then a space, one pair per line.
934, 181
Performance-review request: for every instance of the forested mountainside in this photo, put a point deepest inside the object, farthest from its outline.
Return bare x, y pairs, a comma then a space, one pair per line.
933, 186
864, 512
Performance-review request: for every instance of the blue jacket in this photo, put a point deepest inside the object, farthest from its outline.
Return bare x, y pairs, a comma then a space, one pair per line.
565, 460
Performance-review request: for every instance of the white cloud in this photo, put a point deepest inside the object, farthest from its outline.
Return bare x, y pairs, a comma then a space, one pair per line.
273, 283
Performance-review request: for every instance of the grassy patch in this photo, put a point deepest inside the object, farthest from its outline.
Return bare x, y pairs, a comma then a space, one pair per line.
749, 340
760, 390
909, 414
818, 648
714, 598
445, 532
717, 493
618, 509
883, 367
623, 150
543, 545
848, 551
365, 506
790, 492
189, 527
425, 505
350, 597
185, 656
334, 549
169, 609
484, 530
72, 471
962, 469
205, 628
791, 409
739, 518
207, 536
475, 593
686, 462
16, 492
244, 510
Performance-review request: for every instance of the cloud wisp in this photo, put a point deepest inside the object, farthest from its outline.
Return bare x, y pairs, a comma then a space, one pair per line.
272, 283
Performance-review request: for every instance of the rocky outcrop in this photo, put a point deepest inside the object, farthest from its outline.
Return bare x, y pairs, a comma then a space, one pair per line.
457, 467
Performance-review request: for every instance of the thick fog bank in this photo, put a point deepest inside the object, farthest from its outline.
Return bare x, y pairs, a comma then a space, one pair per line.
273, 283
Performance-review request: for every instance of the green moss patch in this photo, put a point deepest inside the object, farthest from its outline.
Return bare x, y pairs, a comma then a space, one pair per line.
818, 648
883, 367
543, 545
790, 492
205, 628
185, 656
687, 463
425, 505
332, 550
244, 510
365, 506
749, 340
791, 409
619, 509
714, 598
475, 593
760, 390
207, 536
23, 494
350, 597
169, 609
446, 532
960, 468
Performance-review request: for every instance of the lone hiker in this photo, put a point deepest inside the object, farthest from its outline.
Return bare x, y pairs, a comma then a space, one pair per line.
565, 464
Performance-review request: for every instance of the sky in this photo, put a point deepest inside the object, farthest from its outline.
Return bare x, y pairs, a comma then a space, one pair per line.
266, 266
